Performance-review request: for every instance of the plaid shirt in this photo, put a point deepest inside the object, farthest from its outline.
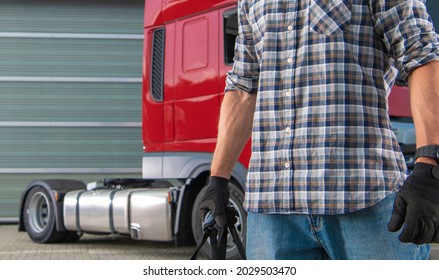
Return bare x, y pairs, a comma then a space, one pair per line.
322, 70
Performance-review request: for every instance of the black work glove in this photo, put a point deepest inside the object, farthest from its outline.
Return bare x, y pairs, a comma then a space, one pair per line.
417, 206
215, 200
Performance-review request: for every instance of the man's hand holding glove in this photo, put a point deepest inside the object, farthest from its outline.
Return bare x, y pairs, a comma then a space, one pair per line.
417, 206
215, 200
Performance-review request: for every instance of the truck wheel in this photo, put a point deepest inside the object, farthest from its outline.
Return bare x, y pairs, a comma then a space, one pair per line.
236, 200
39, 217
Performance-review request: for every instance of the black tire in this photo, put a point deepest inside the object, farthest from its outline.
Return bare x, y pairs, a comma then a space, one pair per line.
39, 217
71, 236
236, 200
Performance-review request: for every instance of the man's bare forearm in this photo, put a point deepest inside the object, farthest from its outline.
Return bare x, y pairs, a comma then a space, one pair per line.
424, 99
234, 130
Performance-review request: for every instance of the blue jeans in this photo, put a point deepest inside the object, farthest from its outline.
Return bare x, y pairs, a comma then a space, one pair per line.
361, 235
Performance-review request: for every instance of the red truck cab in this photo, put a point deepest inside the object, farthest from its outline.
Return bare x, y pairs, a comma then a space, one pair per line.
188, 51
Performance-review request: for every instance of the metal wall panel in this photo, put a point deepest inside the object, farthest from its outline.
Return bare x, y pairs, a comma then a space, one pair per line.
66, 57
70, 102
70, 92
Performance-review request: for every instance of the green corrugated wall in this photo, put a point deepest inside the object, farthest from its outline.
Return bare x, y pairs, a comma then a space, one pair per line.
70, 92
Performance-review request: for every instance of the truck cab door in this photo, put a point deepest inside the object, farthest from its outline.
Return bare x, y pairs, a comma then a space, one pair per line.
197, 85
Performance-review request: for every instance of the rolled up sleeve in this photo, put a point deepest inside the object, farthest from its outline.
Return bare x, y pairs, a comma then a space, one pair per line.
244, 75
407, 32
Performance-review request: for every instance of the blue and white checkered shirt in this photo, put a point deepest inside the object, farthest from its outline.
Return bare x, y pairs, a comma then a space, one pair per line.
322, 70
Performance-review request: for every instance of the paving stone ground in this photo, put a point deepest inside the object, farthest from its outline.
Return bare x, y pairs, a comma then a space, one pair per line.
16, 245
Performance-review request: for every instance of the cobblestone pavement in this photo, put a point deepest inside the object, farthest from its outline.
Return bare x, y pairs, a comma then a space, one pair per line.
16, 245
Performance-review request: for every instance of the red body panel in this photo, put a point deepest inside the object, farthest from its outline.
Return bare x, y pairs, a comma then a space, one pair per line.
194, 76
399, 102
158, 12
152, 112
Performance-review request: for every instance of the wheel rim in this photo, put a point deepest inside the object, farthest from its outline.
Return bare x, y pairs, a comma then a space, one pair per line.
239, 227
39, 212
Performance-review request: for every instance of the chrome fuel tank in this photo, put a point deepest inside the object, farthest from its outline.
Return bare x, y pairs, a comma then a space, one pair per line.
150, 215
145, 214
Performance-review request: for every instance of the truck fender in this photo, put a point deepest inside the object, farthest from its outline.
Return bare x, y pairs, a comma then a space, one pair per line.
57, 189
239, 175
183, 166
239, 172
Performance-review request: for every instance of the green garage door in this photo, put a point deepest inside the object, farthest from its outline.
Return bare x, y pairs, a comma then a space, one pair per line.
70, 92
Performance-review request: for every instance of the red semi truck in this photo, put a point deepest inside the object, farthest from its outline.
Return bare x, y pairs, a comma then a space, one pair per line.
188, 49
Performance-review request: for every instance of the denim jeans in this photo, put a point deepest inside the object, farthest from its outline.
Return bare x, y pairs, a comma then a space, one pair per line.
361, 235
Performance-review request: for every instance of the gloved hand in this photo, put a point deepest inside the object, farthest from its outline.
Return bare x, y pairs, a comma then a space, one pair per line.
215, 200
417, 206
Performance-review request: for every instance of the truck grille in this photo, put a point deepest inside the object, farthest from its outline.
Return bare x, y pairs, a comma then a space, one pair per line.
158, 45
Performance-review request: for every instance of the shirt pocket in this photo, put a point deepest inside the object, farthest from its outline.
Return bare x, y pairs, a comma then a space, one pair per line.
329, 17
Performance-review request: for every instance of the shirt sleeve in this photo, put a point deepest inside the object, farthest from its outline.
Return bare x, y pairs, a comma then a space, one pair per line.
244, 75
407, 32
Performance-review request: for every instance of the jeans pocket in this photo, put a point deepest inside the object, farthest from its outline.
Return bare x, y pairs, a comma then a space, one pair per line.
329, 17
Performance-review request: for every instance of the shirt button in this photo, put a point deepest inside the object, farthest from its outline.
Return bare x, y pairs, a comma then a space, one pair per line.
290, 60
287, 130
288, 93
287, 164
290, 27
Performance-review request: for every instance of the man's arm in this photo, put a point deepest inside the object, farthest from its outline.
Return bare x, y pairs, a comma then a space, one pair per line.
235, 126
417, 203
424, 100
234, 130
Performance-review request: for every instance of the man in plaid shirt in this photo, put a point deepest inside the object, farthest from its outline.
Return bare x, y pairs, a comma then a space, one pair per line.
310, 84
